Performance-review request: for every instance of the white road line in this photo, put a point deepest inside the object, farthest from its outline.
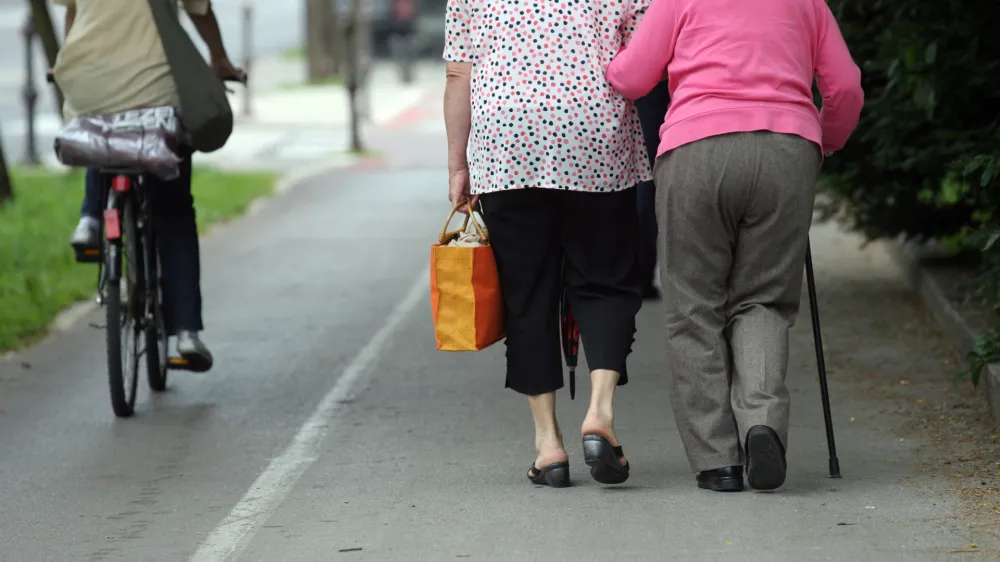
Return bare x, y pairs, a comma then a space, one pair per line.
274, 484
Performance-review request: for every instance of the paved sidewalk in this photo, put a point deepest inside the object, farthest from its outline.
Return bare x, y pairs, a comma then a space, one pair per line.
291, 124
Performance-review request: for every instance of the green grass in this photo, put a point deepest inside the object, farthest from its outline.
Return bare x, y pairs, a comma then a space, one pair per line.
294, 53
38, 274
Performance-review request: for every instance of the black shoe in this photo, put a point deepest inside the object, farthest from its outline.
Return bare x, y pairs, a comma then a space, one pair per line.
604, 460
766, 464
726, 479
196, 356
651, 293
555, 475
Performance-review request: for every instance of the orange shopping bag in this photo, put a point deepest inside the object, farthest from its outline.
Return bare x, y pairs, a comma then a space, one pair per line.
465, 289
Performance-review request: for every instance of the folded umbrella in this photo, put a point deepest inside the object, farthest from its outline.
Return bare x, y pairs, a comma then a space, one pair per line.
570, 340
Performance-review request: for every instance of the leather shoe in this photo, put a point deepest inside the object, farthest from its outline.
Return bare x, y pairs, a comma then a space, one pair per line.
725, 479
651, 293
766, 465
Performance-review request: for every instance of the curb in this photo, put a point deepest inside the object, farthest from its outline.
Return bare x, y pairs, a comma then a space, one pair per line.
909, 256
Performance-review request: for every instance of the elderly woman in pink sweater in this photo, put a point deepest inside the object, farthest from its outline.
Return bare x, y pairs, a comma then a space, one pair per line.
740, 151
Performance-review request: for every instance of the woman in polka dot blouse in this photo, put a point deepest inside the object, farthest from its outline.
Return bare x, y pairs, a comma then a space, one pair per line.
552, 153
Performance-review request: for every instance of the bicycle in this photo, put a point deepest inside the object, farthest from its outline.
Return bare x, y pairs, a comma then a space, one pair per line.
134, 320
129, 288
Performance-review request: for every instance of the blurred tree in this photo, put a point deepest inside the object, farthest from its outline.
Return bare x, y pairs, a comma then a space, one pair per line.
324, 40
356, 69
42, 19
6, 189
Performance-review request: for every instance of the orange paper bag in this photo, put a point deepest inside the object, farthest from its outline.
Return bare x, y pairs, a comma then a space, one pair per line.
465, 289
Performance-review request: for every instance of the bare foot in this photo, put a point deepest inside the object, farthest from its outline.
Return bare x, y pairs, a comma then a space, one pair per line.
595, 424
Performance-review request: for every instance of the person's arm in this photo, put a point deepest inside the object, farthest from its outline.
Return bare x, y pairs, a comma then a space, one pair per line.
203, 18
641, 65
839, 82
459, 52
458, 113
69, 18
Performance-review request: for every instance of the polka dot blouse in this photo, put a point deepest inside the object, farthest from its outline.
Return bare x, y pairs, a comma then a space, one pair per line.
543, 115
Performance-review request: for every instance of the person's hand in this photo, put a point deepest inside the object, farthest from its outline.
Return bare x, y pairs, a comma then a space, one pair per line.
460, 190
225, 70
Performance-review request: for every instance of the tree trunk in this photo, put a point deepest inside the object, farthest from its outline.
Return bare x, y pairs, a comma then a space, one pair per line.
6, 189
355, 58
319, 16
46, 32
335, 42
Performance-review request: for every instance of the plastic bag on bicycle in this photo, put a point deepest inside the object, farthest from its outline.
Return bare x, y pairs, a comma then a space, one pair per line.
151, 140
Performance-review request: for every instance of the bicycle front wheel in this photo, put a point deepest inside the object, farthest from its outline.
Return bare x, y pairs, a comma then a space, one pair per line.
124, 311
156, 333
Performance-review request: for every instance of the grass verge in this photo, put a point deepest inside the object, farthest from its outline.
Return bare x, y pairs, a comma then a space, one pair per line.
294, 53
38, 274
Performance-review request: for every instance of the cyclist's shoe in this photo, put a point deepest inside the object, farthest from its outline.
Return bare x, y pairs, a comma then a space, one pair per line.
193, 352
86, 235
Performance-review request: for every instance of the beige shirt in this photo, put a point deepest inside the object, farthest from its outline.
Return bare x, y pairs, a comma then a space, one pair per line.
113, 59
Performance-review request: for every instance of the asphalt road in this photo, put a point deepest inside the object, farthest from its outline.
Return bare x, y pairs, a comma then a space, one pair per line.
331, 429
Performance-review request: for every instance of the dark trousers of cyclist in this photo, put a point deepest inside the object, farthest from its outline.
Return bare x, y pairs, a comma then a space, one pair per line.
92, 195
652, 108
177, 240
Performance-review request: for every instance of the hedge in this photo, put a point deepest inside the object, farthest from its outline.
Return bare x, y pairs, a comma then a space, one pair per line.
925, 160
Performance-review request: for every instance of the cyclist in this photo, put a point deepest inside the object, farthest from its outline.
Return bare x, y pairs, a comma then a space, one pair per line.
113, 61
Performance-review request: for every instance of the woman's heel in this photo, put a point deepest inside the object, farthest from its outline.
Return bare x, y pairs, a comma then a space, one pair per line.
555, 475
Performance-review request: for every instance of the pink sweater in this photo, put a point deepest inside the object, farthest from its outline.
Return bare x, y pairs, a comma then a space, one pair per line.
739, 65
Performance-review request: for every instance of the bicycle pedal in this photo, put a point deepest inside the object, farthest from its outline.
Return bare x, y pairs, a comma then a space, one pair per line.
181, 364
87, 255
178, 363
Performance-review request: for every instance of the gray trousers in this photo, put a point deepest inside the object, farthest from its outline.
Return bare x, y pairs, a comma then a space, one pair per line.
734, 213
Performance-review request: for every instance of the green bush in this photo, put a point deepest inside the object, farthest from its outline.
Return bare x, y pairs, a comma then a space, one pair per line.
924, 162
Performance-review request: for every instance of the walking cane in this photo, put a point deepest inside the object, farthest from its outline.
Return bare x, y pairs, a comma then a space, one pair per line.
821, 364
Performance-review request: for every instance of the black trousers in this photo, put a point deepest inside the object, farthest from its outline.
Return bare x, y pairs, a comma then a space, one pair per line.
533, 233
177, 243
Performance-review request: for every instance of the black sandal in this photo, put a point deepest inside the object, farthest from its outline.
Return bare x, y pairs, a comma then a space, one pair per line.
555, 475
602, 458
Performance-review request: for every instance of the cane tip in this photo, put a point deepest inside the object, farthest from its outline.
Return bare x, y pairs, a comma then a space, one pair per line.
834, 468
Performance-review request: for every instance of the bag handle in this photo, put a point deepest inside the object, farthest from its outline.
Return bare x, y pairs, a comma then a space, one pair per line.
479, 229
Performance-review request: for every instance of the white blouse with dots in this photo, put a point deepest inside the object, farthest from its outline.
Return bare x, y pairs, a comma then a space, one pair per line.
543, 114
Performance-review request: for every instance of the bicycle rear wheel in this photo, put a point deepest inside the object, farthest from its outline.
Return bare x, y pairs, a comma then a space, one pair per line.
156, 333
124, 311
